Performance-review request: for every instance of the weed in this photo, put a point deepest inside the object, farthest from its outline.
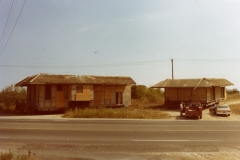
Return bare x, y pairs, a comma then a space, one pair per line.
116, 113
10, 156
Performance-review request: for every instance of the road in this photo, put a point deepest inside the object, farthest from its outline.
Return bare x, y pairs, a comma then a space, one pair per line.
89, 139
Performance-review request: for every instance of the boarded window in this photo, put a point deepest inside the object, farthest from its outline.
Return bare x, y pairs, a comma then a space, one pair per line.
59, 88
79, 89
48, 92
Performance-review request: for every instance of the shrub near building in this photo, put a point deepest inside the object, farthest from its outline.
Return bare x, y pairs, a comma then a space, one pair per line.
9, 95
153, 95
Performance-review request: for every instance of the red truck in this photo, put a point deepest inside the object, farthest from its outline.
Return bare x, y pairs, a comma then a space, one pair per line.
191, 109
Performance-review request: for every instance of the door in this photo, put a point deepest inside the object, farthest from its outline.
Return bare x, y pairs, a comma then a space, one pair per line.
118, 97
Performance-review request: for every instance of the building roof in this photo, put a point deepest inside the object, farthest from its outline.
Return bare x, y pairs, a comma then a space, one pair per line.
192, 83
73, 79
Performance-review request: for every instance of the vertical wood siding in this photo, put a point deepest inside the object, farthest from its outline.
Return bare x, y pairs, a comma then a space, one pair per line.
199, 94
184, 94
171, 94
41, 95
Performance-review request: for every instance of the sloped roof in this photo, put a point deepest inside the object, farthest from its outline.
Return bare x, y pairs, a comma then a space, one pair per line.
72, 79
198, 82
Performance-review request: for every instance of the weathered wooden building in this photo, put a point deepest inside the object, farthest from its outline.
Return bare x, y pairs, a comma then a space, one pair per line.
208, 91
53, 92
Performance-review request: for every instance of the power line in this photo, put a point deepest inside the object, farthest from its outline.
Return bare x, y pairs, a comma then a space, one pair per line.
13, 27
6, 22
123, 64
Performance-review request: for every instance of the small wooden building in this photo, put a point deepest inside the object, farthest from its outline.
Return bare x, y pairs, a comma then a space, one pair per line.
53, 92
208, 91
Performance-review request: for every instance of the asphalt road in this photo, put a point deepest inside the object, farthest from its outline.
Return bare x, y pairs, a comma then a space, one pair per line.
116, 139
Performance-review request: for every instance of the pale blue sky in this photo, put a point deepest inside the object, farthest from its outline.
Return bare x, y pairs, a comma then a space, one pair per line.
134, 38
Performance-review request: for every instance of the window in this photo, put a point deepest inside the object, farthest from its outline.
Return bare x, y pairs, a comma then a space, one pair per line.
79, 89
59, 87
48, 92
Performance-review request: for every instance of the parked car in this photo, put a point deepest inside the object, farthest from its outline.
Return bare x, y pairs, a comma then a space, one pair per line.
191, 109
221, 109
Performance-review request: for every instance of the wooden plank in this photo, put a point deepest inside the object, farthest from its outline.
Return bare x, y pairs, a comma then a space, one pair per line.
73, 93
53, 95
69, 92
97, 87
218, 93
97, 97
199, 94
86, 92
60, 99
107, 94
85, 96
171, 94
41, 95
184, 94
209, 94
120, 88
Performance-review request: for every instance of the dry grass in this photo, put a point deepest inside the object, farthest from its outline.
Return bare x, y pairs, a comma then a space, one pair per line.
145, 104
10, 156
131, 113
235, 108
233, 100
138, 110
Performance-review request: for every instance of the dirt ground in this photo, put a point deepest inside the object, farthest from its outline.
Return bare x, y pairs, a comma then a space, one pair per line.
227, 153
206, 115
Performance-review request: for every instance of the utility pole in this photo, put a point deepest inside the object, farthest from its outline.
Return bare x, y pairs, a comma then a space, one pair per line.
172, 68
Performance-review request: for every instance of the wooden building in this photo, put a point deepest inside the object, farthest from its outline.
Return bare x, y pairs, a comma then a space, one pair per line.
53, 92
208, 91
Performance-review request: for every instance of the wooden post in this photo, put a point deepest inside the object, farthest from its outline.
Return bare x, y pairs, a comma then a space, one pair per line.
172, 68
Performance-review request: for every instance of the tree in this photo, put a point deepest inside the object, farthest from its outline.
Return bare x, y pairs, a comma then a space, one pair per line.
142, 92
10, 94
138, 91
154, 95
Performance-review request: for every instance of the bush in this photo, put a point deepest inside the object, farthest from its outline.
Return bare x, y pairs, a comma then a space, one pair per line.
9, 95
141, 92
232, 91
138, 91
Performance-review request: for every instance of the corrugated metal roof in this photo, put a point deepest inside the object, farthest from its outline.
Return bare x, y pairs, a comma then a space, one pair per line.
198, 82
72, 79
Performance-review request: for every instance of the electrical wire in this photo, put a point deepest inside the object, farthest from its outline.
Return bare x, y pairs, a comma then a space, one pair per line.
161, 62
6, 22
13, 27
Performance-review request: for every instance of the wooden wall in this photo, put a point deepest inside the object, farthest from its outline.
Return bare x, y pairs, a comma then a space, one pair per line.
108, 94
220, 92
199, 94
96, 94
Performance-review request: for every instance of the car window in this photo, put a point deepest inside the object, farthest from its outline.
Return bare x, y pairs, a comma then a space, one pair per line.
223, 107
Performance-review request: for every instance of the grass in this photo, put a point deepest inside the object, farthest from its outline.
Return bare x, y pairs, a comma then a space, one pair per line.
235, 108
234, 103
138, 110
10, 156
131, 113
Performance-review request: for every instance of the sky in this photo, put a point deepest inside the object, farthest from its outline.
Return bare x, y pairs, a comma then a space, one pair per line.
136, 38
